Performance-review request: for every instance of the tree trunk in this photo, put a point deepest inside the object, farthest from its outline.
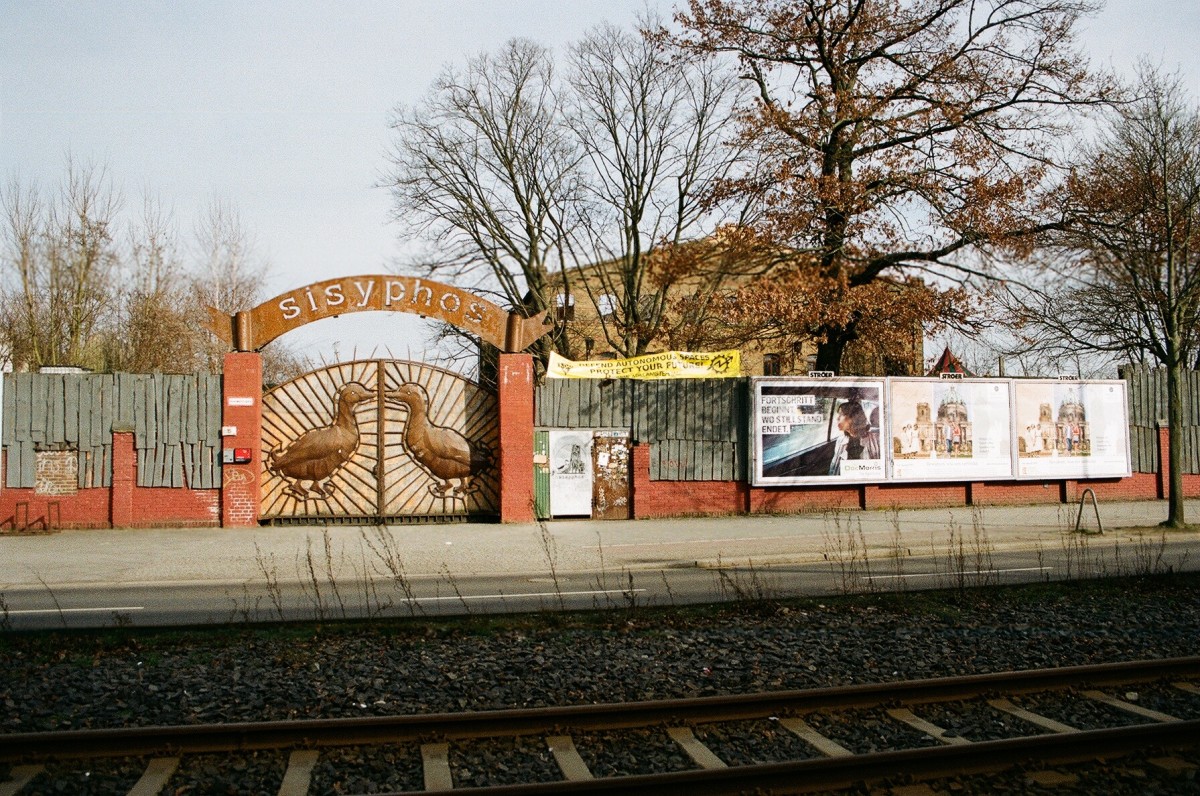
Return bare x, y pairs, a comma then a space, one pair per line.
833, 347
1175, 505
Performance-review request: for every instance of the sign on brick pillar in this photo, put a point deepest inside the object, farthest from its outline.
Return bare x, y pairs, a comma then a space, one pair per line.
516, 438
124, 477
241, 421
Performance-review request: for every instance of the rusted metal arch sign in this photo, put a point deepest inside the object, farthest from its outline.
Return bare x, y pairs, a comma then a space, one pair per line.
253, 329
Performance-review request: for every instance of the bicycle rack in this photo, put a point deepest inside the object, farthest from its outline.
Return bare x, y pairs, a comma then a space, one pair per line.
1096, 506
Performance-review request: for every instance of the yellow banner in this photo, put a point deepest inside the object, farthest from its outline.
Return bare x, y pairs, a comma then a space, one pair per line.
667, 365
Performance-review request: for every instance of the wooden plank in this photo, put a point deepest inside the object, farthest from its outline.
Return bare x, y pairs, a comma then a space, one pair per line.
137, 400
214, 410
187, 422
155, 777
298, 775
84, 421
28, 464
103, 412
96, 433
173, 432
82, 478
573, 768
56, 411
175, 454
37, 406
123, 387
10, 409
19, 777
71, 390
435, 760
151, 387
23, 417
106, 464
12, 469
700, 754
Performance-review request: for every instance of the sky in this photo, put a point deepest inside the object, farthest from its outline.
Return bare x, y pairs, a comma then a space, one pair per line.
281, 108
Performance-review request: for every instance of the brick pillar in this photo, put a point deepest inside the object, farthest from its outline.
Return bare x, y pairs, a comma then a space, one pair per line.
1162, 483
639, 463
124, 479
516, 438
242, 407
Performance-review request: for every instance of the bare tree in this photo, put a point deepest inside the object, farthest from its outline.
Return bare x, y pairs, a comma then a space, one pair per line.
59, 257
229, 276
485, 171
654, 132
155, 325
1123, 279
895, 137
542, 189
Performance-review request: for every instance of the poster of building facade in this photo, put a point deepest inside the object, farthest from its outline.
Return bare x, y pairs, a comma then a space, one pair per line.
818, 431
1071, 429
950, 430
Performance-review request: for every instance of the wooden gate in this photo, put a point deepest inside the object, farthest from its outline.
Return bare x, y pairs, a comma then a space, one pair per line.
379, 440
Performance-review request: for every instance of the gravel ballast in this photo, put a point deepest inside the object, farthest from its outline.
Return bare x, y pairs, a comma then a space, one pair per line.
128, 677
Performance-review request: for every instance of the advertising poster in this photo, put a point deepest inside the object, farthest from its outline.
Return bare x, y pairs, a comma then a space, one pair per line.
950, 430
1071, 429
810, 431
570, 472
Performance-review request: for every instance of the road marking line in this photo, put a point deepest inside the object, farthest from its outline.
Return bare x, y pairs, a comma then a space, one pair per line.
458, 598
76, 610
956, 574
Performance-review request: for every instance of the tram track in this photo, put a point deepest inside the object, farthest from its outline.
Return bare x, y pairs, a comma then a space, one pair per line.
564, 731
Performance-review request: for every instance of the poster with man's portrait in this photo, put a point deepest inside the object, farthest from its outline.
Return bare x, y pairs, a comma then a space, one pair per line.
1071, 429
950, 430
817, 431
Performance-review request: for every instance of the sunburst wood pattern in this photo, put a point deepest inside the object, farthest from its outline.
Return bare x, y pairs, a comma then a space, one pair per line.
381, 477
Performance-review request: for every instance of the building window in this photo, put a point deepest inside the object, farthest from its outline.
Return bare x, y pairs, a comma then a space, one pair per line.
564, 307
771, 364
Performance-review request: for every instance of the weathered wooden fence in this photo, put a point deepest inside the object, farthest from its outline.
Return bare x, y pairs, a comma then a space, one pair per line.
697, 428
175, 419
1148, 406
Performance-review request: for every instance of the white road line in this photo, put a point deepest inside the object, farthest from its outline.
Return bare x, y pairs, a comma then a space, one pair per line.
668, 543
457, 598
956, 574
76, 610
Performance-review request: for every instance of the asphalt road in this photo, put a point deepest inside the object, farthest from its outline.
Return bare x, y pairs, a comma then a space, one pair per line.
325, 597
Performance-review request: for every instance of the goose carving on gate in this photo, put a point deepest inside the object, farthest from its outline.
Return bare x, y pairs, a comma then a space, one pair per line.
317, 454
443, 452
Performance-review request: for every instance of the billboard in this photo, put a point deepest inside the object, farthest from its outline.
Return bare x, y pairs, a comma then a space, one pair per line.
950, 430
808, 431
1071, 429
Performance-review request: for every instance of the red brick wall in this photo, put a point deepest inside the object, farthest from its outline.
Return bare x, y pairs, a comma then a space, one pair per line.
516, 437
689, 498
242, 407
125, 505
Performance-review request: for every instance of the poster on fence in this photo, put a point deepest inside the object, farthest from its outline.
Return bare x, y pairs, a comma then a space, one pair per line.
1071, 429
950, 430
664, 365
817, 431
570, 472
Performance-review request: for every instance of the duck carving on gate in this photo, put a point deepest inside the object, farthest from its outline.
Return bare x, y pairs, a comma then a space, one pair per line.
318, 454
444, 453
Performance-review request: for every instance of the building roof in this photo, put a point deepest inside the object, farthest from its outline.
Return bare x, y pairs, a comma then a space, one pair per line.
948, 363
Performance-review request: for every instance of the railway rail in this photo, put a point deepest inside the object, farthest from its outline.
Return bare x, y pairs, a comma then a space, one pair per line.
813, 719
